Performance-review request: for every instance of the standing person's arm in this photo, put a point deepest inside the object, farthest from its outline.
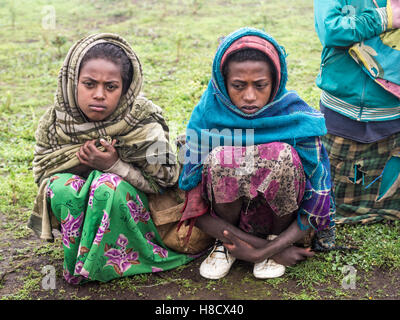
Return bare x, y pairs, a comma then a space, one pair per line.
340, 25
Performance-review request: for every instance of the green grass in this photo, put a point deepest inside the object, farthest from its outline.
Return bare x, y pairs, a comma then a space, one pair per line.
175, 41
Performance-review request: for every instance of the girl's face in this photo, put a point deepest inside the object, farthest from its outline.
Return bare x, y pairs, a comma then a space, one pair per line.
249, 84
99, 88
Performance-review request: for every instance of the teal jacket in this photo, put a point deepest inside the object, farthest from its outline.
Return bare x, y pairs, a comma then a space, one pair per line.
346, 87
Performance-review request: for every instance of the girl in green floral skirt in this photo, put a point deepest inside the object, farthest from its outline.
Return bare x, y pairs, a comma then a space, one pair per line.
99, 149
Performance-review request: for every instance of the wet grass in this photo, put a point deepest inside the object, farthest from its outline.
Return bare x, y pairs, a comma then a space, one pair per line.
176, 41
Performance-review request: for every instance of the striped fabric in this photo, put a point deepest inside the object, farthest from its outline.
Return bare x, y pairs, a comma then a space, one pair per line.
384, 17
359, 113
317, 202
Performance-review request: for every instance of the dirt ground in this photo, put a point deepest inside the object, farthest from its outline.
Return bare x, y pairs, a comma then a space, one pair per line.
22, 278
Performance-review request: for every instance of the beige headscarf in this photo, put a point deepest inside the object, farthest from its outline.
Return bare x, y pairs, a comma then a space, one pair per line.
137, 124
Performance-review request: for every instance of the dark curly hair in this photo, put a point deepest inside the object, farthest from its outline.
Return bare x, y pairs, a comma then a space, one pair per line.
115, 54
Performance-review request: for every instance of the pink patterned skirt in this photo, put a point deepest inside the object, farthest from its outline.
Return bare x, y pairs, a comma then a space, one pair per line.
269, 177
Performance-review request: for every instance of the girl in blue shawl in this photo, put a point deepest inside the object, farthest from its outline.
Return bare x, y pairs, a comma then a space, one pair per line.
255, 173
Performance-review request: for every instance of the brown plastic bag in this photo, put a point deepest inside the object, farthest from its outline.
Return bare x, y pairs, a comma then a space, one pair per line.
165, 210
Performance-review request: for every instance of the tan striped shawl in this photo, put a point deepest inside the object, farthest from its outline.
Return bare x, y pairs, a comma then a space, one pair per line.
137, 124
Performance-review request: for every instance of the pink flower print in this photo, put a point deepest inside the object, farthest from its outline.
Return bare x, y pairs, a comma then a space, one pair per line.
231, 157
155, 269
103, 228
138, 211
70, 228
49, 192
296, 159
79, 269
163, 253
300, 188
149, 235
71, 279
53, 178
76, 183
109, 179
270, 194
226, 189
270, 151
121, 259
82, 250
272, 190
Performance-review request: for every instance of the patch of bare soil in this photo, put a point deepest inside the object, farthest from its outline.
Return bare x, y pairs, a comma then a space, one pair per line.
22, 277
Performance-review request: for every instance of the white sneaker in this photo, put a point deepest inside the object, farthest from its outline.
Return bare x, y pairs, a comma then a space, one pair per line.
268, 268
218, 263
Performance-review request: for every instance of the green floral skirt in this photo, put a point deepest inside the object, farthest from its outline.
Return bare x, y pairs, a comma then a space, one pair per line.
107, 231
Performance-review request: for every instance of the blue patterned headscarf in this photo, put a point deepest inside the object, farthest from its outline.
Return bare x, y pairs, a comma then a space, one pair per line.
286, 118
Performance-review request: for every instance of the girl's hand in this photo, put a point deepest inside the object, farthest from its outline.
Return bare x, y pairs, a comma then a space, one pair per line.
244, 251
240, 249
293, 255
100, 160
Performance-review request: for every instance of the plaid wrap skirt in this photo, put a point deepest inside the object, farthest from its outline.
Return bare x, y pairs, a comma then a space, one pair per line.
356, 170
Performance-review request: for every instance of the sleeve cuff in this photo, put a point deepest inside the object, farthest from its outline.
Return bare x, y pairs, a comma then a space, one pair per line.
120, 168
386, 16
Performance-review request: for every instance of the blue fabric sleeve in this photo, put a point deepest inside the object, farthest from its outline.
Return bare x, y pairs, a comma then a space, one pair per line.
340, 25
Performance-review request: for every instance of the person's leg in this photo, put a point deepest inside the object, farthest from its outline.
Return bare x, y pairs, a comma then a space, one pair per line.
230, 212
276, 176
219, 262
119, 235
281, 223
220, 181
283, 190
107, 229
278, 182
66, 195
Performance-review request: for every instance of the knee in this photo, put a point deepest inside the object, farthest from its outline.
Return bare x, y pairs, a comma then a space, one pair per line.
226, 156
110, 180
64, 183
214, 154
282, 152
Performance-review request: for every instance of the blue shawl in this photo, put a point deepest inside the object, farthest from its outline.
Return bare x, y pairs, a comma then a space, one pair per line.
216, 121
